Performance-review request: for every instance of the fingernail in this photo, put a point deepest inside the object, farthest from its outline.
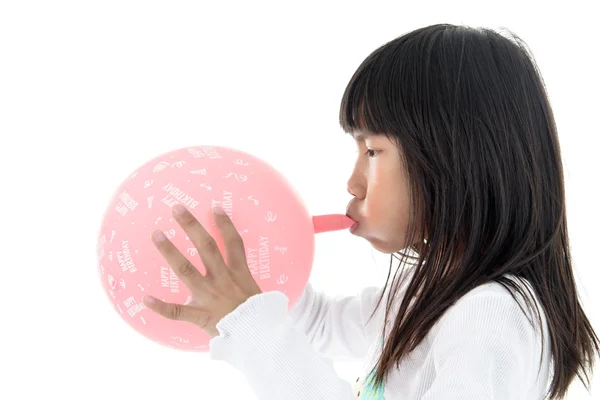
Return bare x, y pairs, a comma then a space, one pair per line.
179, 209
218, 210
148, 299
159, 236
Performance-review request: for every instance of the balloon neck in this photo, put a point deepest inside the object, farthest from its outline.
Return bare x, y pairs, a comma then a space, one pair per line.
331, 222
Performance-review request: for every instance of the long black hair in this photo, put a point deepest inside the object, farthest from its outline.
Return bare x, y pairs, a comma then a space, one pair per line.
468, 110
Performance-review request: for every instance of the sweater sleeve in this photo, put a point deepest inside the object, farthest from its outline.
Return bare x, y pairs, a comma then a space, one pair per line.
339, 327
336, 327
479, 357
260, 339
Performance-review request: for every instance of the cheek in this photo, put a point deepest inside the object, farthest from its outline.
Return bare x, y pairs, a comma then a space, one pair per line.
379, 196
376, 208
379, 205
386, 207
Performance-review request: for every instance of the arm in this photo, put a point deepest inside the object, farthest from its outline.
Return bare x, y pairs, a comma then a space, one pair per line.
279, 351
337, 327
260, 339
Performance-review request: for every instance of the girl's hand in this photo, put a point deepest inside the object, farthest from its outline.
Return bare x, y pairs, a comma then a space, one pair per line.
222, 289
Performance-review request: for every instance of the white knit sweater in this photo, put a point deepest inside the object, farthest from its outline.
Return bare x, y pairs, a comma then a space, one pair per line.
483, 347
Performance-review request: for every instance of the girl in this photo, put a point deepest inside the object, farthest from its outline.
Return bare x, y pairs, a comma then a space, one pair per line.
459, 163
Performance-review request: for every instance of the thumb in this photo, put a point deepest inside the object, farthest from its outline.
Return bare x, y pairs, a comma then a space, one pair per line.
172, 311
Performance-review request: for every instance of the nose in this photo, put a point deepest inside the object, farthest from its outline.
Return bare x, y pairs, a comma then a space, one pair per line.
356, 186
356, 189
353, 187
357, 183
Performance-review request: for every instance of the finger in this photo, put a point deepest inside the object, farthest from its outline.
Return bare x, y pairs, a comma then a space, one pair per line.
181, 266
205, 244
235, 252
172, 311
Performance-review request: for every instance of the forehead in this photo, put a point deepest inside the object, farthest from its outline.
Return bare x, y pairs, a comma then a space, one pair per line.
361, 135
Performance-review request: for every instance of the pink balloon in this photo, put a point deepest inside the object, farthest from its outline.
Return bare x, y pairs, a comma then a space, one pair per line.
277, 231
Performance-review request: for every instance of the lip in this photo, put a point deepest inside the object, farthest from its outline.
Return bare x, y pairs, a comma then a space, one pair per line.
349, 215
348, 207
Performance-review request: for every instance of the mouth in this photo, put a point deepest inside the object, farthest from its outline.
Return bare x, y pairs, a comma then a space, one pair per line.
349, 215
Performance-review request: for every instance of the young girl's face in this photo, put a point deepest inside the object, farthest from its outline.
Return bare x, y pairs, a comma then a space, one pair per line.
380, 189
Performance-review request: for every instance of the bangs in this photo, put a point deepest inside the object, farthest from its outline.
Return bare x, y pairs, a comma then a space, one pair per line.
374, 99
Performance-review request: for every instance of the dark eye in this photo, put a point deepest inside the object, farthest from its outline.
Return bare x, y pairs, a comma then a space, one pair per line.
372, 153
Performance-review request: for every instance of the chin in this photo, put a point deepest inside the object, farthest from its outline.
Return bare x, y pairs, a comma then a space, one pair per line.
381, 245
383, 248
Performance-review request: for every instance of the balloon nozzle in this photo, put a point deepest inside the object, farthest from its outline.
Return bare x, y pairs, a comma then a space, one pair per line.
331, 222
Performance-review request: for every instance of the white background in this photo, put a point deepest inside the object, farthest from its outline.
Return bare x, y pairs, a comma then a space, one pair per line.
90, 90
